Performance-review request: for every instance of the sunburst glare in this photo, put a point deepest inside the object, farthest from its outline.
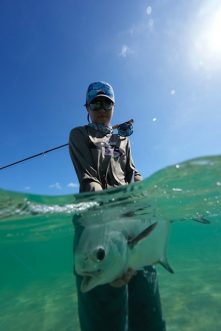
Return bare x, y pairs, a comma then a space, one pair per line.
206, 40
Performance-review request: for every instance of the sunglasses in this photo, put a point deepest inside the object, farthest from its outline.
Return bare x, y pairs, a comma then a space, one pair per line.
106, 105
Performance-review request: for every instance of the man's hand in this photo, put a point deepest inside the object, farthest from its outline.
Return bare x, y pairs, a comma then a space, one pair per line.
124, 279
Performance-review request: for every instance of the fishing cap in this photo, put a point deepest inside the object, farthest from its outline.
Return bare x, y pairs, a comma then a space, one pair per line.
98, 89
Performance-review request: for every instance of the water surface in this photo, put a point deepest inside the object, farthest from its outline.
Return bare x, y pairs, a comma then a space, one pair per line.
37, 287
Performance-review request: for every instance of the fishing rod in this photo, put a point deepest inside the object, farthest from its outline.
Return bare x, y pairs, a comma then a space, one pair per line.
124, 129
32, 156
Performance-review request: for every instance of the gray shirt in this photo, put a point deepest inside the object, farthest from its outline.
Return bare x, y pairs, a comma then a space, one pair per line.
101, 161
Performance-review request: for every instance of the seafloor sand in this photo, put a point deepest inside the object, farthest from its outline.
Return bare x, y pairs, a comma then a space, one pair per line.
192, 296
193, 302
190, 303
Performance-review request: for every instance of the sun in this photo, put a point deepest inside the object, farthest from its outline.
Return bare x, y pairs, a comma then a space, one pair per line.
213, 34
206, 38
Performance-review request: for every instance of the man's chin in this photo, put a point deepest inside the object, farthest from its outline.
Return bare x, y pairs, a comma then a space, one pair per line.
103, 121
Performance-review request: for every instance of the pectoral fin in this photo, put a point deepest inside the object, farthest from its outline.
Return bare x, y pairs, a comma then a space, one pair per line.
142, 235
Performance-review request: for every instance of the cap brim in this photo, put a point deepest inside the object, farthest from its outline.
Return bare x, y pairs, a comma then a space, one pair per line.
98, 96
104, 96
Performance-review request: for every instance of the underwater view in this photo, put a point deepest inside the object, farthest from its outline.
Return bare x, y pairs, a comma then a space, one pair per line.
37, 290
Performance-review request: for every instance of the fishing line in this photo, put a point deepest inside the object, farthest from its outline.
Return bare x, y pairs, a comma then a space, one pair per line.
125, 129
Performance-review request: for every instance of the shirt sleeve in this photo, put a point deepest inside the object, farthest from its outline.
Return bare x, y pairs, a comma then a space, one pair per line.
132, 174
79, 149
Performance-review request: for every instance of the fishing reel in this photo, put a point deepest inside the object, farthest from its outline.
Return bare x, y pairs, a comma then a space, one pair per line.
124, 129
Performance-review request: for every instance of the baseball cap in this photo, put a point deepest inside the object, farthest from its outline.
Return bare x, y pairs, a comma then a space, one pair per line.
98, 89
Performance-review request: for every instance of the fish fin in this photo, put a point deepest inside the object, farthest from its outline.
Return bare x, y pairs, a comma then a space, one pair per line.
166, 265
142, 235
201, 219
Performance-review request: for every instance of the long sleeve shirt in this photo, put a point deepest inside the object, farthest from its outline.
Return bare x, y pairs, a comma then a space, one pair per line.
101, 161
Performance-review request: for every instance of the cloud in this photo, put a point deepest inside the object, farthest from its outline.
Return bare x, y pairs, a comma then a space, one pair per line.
150, 20
138, 30
56, 186
73, 185
137, 35
172, 92
27, 188
150, 24
149, 10
125, 51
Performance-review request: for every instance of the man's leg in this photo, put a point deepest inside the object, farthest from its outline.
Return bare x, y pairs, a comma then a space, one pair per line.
104, 308
144, 306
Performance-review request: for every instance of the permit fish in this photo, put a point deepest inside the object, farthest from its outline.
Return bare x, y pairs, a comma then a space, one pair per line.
106, 251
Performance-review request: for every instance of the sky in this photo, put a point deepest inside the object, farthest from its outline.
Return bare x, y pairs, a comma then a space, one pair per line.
162, 57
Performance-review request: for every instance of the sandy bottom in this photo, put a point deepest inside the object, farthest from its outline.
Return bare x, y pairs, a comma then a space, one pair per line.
40, 306
190, 303
193, 303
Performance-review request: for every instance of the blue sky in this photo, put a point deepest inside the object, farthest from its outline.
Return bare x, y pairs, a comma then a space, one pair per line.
162, 57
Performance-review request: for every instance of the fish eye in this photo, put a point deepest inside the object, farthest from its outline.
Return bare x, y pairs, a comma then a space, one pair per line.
100, 253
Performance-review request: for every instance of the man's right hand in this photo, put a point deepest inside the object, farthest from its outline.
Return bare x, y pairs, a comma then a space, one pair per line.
124, 279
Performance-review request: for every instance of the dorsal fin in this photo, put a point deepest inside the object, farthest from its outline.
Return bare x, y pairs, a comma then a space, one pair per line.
142, 235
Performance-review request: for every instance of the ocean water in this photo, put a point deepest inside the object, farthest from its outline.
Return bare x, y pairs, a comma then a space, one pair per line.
37, 286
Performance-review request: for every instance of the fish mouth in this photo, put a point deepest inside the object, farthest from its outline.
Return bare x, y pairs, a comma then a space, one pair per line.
85, 284
89, 280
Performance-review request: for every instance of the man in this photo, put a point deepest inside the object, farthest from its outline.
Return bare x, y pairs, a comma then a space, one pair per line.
103, 160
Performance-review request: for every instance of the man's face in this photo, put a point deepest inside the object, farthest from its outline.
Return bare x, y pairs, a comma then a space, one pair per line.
101, 110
